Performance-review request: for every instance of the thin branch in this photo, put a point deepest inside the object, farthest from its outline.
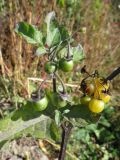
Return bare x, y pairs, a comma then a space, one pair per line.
64, 89
75, 85
54, 83
40, 87
71, 155
113, 74
68, 52
65, 136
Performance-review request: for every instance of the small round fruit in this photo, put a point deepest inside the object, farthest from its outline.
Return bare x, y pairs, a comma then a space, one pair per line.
66, 65
96, 105
90, 88
85, 100
57, 101
105, 97
41, 104
50, 67
61, 103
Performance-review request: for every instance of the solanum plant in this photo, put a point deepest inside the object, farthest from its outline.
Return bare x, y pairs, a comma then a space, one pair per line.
54, 106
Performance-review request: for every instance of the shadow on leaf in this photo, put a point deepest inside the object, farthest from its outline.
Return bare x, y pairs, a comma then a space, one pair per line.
81, 111
2, 143
26, 112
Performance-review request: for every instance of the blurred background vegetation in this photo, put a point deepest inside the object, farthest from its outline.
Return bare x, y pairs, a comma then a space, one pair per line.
96, 26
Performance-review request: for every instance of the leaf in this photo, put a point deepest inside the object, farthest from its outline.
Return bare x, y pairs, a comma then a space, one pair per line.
53, 37
66, 111
77, 52
91, 127
41, 51
64, 33
106, 136
29, 32
55, 131
2, 144
57, 117
53, 33
25, 120
81, 115
50, 16
82, 135
62, 53
14, 128
78, 113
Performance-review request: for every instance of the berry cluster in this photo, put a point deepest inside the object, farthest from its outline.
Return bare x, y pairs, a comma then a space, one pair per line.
96, 93
58, 99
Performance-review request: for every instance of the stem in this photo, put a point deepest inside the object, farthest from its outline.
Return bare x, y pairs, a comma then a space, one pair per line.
54, 83
51, 54
66, 130
68, 52
54, 52
64, 89
113, 74
40, 87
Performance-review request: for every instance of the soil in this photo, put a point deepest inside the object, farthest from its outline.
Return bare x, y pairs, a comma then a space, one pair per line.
25, 148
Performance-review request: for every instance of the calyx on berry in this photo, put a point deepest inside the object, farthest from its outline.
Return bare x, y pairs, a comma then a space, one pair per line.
40, 103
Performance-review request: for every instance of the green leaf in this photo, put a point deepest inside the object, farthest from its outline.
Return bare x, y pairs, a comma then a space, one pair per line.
77, 52
41, 51
58, 117
66, 111
50, 17
55, 131
53, 33
2, 144
83, 135
53, 37
13, 128
91, 127
64, 33
26, 121
82, 115
106, 135
79, 114
62, 53
29, 32
104, 122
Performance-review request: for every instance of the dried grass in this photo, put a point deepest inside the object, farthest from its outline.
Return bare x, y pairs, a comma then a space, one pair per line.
101, 41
